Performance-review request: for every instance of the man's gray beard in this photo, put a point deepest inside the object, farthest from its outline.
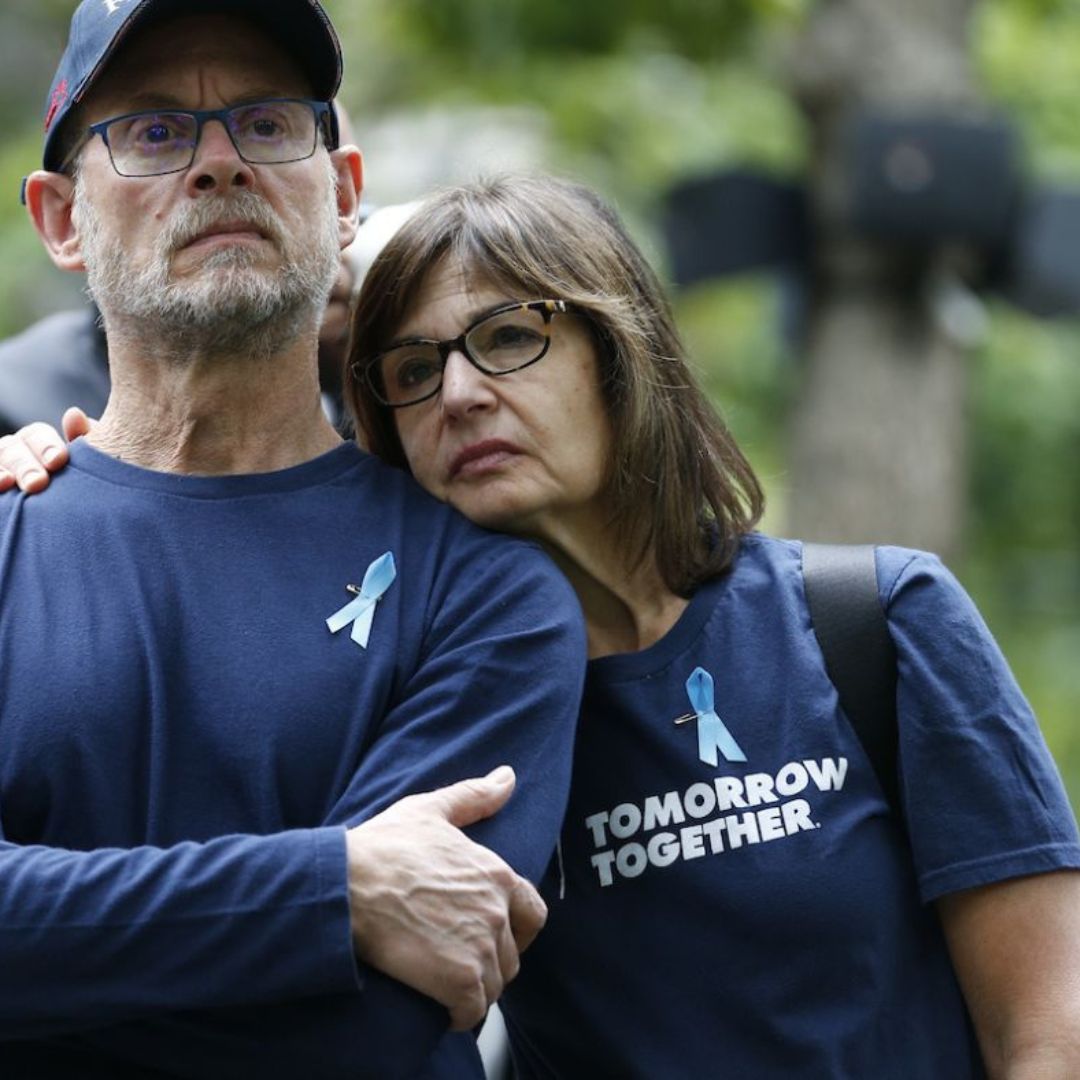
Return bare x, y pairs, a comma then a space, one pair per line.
231, 305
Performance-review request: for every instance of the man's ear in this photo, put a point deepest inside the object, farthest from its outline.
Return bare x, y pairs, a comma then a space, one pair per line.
349, 168
49, 201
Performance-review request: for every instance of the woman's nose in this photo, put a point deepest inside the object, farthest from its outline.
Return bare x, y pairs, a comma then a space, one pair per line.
464, 386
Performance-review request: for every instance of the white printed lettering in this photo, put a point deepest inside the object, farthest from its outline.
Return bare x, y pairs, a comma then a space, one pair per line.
769, 823
700, 800
663, 849
742, 827
797, 816
631, 860
602, 862
693, 845
625, 820
759, 789
827, 774
729, 792
708, 835
712, 830
791, 779
112, 6
661, 812
596, 823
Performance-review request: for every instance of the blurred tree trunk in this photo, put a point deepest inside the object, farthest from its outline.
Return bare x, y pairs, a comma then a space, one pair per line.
879, 434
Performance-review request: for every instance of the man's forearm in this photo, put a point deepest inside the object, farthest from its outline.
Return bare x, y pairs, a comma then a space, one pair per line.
93, 938
384, 1031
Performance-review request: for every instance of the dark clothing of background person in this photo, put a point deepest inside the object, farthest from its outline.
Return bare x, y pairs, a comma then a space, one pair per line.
55, 363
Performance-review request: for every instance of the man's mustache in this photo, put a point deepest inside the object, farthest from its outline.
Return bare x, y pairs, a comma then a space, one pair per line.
244, 209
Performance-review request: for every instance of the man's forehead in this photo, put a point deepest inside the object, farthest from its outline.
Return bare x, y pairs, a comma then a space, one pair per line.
222, 48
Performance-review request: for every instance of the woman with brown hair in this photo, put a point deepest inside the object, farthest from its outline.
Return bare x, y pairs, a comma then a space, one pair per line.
732, 895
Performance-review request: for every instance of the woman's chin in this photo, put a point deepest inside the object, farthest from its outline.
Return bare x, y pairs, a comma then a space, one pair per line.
500, 514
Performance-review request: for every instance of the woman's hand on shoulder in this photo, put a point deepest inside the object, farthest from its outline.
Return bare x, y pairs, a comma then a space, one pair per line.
33, 452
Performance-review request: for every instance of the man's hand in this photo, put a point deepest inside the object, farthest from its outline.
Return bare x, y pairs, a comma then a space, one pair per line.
434, 910
34, 451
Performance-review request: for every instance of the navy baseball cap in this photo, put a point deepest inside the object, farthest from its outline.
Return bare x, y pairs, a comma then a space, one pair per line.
98, 28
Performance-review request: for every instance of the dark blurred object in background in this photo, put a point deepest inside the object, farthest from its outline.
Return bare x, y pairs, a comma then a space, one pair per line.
917, 182
1042, 275
732, 223
928, 179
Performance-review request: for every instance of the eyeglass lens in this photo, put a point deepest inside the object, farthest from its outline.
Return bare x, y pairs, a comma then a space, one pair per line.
497, 345
265, 133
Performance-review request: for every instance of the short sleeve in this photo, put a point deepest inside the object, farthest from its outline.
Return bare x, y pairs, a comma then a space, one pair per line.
982, 795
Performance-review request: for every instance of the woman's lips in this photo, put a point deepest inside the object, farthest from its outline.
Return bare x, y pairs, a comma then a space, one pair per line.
481, 457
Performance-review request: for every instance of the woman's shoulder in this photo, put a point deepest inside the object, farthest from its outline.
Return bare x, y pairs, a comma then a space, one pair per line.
900, 570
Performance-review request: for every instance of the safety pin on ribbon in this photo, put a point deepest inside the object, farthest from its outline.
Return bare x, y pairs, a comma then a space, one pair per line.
360, 612
711, 732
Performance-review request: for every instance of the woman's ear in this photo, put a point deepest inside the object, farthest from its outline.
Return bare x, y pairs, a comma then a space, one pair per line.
49, 201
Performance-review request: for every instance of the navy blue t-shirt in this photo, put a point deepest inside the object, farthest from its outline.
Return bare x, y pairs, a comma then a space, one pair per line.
182, 740
763, 916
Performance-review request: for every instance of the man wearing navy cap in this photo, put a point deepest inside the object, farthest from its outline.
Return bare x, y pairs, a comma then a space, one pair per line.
230, 659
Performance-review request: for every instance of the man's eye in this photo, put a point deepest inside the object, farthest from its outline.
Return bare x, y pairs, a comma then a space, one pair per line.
261, 123
263, 127
155, 132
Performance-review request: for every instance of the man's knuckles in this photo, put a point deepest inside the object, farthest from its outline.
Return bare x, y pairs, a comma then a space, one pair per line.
38, 434
504, 879
462, 982
511, 965
464, 994
527, 909
12, 453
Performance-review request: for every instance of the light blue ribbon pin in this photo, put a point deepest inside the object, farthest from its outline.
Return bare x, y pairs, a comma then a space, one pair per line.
377, 579
712, 735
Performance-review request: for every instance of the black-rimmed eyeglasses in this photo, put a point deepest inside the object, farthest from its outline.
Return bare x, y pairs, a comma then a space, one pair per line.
161, 141
502, 341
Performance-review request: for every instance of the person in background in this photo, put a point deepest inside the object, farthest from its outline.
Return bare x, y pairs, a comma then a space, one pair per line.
732, 894
334, 328
59, 361
237, 652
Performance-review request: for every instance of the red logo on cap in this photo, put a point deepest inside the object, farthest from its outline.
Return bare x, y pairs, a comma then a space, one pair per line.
59, 99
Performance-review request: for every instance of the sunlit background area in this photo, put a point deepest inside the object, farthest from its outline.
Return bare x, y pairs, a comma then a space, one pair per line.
869, 211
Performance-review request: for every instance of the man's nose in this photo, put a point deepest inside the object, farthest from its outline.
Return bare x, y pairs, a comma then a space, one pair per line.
218, 164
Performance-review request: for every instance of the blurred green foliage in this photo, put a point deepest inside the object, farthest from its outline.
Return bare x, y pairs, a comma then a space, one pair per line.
642, 93
485, 34
1024, 551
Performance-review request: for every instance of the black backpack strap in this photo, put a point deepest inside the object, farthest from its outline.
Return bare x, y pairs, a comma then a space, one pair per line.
860, 658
